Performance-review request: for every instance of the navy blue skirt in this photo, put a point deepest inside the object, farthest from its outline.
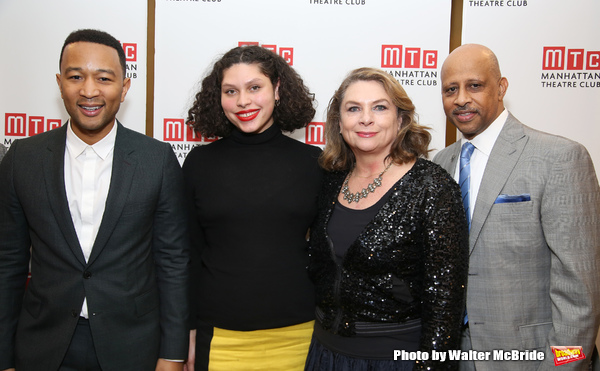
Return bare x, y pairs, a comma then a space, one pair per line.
321, 358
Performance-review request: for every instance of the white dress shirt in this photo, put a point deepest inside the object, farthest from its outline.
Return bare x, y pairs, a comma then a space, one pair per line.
483, 142
88, 170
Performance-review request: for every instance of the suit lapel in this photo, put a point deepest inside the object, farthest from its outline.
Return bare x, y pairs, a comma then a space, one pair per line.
504, 156
449, 162
54, 176
123, 169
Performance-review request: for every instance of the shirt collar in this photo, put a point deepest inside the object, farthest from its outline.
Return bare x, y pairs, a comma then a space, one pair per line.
102, 148
485, 141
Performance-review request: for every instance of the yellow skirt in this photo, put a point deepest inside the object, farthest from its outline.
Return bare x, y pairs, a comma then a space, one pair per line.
275, 349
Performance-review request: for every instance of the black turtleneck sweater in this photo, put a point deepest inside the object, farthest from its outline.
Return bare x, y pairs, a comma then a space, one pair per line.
254, 197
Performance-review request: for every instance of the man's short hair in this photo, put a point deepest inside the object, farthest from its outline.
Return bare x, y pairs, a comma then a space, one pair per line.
98, 37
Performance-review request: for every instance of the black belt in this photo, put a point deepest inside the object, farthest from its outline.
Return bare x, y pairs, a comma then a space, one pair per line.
378, 328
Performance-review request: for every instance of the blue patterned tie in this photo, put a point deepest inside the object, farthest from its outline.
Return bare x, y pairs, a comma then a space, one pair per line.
464, 178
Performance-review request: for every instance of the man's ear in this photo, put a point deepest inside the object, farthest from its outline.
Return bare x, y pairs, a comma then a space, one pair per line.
58, 81
503, 87
126, 85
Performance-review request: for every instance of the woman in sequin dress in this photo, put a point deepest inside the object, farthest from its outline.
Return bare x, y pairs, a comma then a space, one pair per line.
253, 195
389, 250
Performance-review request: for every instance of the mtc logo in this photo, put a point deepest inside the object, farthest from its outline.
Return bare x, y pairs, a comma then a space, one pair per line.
130, 52
285, 52
560, 58
315, 133
19, 125
175, 130
398, 56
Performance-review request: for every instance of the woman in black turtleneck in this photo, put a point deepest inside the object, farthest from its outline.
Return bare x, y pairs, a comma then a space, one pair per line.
253, 198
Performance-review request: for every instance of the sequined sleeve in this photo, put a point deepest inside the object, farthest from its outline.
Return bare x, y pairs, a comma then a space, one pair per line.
446, 268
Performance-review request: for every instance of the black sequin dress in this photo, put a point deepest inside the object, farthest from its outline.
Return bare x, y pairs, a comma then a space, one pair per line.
406, 269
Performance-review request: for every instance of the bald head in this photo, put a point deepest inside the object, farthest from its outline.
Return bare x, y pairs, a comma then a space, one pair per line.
484, 56
472, 88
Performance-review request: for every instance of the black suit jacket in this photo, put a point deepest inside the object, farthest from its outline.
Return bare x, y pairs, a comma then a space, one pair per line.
135, 280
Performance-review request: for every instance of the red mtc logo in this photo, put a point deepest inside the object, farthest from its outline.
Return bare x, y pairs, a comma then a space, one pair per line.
315, 133
130, 52
285, 52
560, 58
18, 125
175, 130
398, 56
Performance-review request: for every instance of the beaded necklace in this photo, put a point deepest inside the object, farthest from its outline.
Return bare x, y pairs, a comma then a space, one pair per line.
355, 197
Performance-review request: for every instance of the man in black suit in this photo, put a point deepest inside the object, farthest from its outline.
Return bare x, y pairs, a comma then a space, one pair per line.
102, 209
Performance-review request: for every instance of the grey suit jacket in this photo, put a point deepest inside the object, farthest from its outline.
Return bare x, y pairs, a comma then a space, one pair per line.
135, 280
534, 275
2, 151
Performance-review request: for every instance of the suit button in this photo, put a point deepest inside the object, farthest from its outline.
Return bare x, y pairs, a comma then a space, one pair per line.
74, 313
87, 274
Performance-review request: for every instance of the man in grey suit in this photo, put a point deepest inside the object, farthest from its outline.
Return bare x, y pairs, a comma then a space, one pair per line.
103, 211
534, 207
2, 151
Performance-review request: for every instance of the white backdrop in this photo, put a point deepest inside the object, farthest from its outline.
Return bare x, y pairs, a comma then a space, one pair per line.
33, 32
532, 39
322, 39
325, 38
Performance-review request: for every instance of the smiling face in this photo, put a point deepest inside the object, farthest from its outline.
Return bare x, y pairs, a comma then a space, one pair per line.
472, 89
92, 87
248, 98
369, 121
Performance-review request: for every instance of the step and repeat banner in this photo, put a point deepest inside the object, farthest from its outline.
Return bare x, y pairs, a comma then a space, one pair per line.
322, 39
33, 33
549, 51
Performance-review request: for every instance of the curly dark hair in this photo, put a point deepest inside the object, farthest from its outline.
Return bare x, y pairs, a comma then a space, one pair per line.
411, 142
294, 111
